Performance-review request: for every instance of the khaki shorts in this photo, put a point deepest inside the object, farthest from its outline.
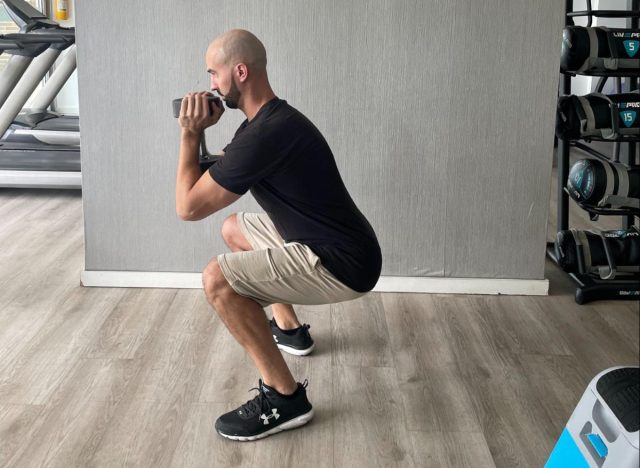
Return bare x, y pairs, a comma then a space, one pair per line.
279, 272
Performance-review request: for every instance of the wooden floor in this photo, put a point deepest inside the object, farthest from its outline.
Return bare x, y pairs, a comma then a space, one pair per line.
136, 377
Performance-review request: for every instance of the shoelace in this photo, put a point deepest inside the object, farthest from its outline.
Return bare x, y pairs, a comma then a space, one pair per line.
256, 406
258, 403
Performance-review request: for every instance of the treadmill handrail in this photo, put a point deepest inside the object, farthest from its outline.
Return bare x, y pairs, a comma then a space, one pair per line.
34, 43
23, 48
27, 17
7, 44
41, 38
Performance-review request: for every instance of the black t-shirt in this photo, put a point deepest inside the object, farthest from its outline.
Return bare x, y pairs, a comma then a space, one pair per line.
288, 166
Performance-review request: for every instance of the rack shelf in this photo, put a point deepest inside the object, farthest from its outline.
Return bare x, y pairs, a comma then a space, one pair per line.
623, 139
605, 13
606, 211
612, 73
597, 154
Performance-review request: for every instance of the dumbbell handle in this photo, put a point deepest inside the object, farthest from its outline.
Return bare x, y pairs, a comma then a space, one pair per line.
177, 104
208, 160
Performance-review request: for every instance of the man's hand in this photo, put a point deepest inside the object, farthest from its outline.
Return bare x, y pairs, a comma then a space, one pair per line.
194, 113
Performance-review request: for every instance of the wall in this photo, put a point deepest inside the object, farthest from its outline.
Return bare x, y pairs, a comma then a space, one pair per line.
440, 115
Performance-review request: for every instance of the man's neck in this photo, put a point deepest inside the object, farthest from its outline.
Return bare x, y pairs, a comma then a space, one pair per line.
253, 103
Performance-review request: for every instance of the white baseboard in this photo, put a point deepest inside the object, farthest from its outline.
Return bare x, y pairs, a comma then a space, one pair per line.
141, 279
515, 287
511, 287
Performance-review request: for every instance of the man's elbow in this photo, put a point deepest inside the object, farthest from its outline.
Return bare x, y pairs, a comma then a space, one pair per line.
185, 217
185, 214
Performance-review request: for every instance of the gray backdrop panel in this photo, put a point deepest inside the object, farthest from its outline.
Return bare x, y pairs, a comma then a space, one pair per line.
440, 116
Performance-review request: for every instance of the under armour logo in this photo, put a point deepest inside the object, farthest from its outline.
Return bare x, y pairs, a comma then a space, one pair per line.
274, 414
276, 338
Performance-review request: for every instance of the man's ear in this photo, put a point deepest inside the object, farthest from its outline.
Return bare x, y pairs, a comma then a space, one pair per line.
242, 72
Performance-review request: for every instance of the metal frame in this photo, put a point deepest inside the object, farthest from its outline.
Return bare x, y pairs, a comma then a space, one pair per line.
26, 85
591, 288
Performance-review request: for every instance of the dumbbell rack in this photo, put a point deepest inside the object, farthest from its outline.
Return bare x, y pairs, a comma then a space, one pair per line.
591, 287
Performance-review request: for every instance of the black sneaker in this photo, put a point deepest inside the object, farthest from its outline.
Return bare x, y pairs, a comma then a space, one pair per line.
268, 413
297, 341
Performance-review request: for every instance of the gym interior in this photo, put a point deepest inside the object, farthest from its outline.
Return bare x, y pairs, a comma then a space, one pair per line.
493, 147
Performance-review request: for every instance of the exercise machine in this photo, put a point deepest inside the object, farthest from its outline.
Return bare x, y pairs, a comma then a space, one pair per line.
38, 148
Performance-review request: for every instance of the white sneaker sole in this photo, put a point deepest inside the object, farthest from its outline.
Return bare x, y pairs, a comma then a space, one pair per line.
292, 424
297, 352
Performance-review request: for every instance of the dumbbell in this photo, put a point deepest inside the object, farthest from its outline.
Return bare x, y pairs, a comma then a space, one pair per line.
206, 159
212, 100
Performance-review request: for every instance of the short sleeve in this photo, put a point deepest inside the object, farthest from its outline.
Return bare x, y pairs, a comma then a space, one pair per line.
247, 160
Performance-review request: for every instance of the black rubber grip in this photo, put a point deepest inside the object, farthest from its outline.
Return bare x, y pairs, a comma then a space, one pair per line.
620, 389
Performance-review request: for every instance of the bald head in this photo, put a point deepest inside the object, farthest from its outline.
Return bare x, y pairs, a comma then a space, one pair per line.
239, 46
237, 65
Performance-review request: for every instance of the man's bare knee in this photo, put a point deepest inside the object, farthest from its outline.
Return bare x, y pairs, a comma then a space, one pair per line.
213, 281
232, 235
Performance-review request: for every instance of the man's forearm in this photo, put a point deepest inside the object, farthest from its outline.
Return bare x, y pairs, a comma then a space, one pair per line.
188, 169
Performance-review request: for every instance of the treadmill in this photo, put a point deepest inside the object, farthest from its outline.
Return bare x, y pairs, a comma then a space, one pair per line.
38, 148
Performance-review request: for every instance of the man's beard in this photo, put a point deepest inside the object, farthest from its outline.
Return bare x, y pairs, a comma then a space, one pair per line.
232, 98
